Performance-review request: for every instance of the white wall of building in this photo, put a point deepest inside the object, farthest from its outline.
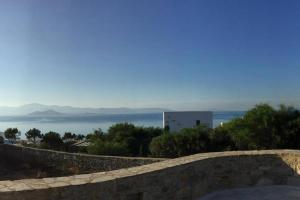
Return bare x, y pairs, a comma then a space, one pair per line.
187, 119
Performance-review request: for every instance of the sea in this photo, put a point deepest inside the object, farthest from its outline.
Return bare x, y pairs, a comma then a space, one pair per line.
84, 124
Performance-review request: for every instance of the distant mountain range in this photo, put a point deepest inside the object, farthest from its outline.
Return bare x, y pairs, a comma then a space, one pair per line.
46, 113
36, 109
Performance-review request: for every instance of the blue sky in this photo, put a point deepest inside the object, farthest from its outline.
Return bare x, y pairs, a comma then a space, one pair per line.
194, 54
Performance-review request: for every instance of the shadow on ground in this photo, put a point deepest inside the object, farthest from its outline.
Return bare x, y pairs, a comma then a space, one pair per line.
19, 170
276, 192
265, 177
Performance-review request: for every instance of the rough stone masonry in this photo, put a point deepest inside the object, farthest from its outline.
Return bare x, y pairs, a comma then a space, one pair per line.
189, 177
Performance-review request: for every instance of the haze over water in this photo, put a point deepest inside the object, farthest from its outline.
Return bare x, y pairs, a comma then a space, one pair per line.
84, 124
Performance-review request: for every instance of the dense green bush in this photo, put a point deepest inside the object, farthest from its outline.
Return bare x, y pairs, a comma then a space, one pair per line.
163, 146
136, 139
52, 140
262, 127
122, 139
11, 133
187, 141
221, 140
101, 147
287, 125
237, 136
97, 134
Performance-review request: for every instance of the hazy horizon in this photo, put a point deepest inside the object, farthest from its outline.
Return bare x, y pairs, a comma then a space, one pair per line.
42, 110
52, 106
179, 55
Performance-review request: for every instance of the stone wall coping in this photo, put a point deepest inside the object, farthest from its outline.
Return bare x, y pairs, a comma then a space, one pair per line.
88, 155
33, 184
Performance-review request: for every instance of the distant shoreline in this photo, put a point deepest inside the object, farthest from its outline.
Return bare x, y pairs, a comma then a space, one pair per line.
84, 124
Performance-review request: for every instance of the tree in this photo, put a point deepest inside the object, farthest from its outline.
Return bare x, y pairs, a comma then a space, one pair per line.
52, 140
287, 126
80, 137
163, 146
69, 135
235, 133
33, 134
143, 137
11, 133
97, 134
72, 137
263, 127
260, 122
135, 138
221, 140
185, 142
193, 140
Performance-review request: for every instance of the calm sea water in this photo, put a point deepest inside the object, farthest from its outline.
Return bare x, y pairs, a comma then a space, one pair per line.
88, 123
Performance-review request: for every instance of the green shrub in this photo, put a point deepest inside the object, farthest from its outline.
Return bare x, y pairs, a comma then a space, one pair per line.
221, 140
263, 127
101, 147
185, 142
135, 138
52, 140
163, 146
11, 133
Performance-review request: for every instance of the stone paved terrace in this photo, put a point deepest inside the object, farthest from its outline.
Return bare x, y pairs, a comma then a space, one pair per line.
190, 177
277, 192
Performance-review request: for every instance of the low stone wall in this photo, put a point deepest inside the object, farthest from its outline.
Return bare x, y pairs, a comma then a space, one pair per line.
186, 178
68, 163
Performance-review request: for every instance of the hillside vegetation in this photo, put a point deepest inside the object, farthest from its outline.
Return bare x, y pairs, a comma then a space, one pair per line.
262, 127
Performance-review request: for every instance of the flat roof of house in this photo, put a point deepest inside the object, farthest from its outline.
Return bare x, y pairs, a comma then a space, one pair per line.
188, 112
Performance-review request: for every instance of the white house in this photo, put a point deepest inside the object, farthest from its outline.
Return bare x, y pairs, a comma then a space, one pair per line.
175, 121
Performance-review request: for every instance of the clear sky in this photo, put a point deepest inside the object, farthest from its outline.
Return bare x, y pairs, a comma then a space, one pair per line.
192, 54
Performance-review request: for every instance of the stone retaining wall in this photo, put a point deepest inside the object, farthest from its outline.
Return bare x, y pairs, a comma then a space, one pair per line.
183, 178
69, 163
